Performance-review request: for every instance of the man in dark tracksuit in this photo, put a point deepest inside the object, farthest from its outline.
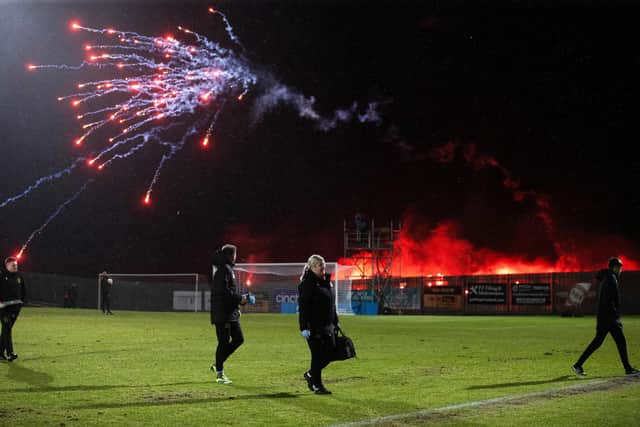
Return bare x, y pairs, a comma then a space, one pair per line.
106, 283
225, 309
318, 319
608, 318
12, 297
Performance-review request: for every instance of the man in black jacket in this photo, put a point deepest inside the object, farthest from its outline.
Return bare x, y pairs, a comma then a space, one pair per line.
106, 284
12, 297
318, 319
225, 309
608, 318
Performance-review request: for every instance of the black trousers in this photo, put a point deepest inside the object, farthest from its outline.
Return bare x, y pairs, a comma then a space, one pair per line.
106, 303
8, 316
320, 356
601, 333
229, 339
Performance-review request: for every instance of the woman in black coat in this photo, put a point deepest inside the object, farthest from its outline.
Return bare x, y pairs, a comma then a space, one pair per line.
318, 319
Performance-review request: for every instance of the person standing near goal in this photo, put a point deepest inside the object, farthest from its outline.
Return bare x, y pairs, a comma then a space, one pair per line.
318, 319
608, 318
12, 297
225, 309
106, 283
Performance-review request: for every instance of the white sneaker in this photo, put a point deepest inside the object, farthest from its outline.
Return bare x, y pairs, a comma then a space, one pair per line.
223, 380
578, 371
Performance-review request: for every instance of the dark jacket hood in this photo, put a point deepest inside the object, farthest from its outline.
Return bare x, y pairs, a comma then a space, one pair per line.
220, 259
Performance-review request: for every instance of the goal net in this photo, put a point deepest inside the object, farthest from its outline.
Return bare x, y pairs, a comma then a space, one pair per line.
276, 286
156, 292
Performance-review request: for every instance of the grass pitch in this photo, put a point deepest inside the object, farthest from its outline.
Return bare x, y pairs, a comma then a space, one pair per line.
79, 367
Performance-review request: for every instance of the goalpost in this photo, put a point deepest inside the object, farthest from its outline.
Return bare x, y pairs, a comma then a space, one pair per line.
155, 292
276, 285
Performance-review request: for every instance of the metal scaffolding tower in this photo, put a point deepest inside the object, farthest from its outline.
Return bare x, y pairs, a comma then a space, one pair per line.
374, 254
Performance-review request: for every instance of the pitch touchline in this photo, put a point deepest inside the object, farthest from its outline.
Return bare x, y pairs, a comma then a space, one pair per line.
424, 412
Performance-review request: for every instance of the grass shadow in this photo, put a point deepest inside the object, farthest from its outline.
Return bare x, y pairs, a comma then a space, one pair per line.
20, 373
521, 383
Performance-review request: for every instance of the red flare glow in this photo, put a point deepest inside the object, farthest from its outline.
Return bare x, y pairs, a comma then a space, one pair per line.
211, 10
87, 47
147, 199
205, 141
110, 31
75, 103
442, 249
31, 66
19, 255
74, 25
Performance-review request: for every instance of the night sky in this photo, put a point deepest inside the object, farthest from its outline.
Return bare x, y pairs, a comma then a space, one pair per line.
549, 90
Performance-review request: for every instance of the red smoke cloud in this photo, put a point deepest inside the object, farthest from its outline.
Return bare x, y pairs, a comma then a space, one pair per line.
446, 252
443, 249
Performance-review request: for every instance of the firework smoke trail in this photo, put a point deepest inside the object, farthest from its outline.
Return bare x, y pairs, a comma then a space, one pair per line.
52, 217
173, 150
163, 79
41, 181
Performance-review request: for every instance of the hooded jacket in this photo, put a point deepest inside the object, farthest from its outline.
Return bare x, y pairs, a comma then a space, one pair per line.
608, 298
225, 298
317, 304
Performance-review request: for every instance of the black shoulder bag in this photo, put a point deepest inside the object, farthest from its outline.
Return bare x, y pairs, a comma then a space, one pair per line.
344, 348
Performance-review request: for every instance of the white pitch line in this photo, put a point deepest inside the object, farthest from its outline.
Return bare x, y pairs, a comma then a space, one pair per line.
426, 412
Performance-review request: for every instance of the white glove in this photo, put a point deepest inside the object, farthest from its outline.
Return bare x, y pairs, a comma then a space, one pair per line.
306, 333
